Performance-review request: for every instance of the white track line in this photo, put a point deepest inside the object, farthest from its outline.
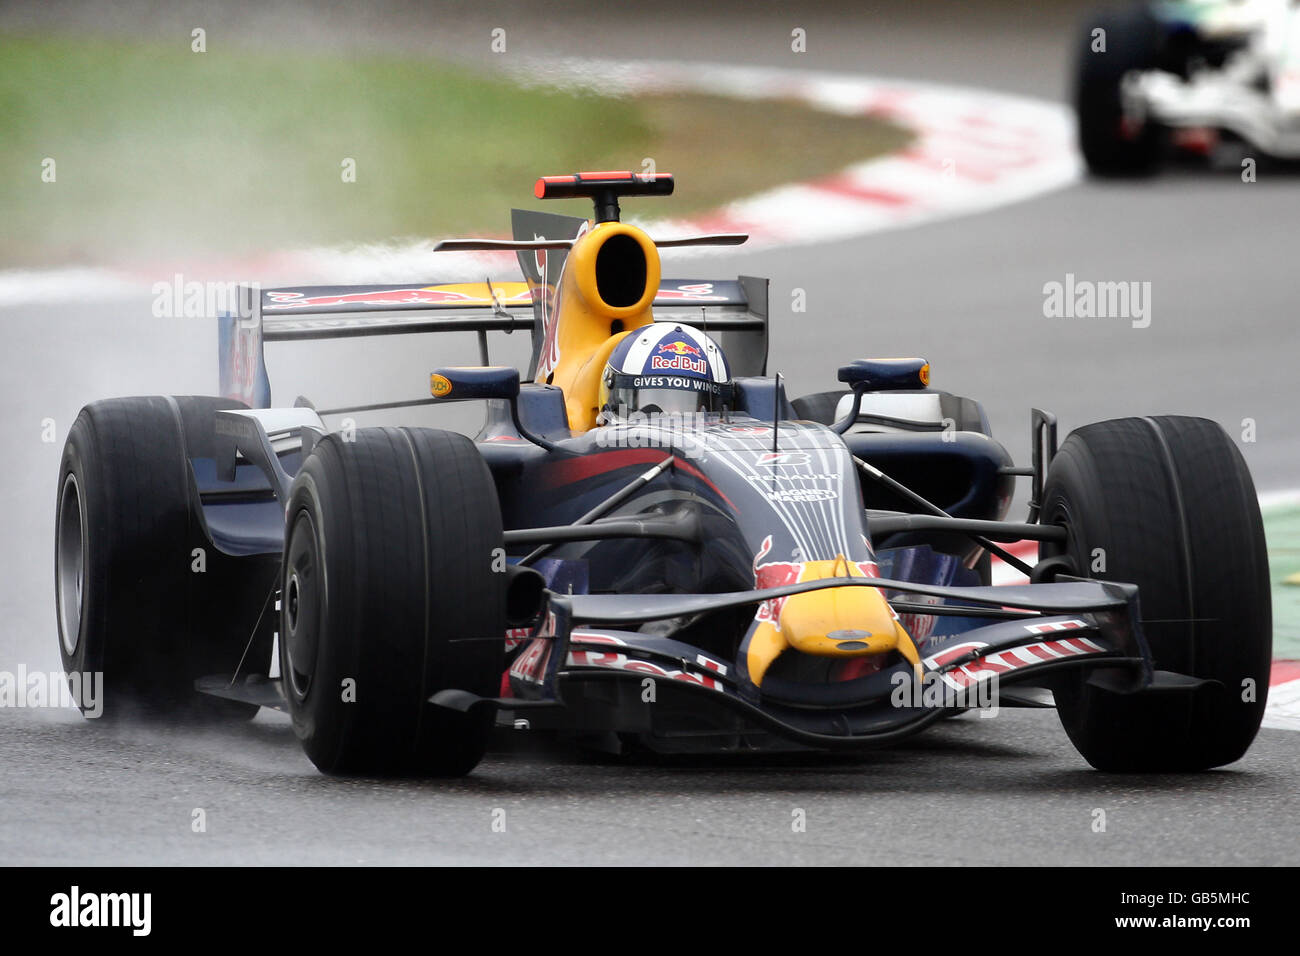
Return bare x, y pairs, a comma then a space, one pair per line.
1270, 501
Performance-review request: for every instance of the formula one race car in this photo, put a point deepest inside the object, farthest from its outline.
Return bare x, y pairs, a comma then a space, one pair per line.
647, 544
1189, 76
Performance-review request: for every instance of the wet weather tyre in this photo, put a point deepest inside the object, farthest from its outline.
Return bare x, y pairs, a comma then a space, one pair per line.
1168, 504
127, 597
392, 591
1111, 145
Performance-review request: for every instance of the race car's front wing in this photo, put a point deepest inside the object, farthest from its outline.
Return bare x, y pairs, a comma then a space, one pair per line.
585, 668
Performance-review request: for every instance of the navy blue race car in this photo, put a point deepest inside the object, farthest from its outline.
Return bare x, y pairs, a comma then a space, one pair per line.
647, 544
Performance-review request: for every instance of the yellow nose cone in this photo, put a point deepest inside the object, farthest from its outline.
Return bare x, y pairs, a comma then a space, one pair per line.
835, 622
838, 622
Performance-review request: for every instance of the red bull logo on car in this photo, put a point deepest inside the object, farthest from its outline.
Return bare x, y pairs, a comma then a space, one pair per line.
430, 295
679, 356
775, 574
696, 291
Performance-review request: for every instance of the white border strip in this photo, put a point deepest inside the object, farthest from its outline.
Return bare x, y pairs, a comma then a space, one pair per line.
1279, 500
1282, 712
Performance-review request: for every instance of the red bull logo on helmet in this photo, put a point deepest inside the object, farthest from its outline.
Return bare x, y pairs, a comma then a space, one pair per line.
679, 356
679, 348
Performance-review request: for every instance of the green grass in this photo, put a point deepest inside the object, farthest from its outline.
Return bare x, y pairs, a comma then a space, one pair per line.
1282, 529
163, 153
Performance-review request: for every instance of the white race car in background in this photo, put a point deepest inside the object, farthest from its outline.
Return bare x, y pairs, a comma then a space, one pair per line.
1195, 76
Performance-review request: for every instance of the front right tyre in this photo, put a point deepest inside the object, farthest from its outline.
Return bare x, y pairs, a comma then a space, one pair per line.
393, 588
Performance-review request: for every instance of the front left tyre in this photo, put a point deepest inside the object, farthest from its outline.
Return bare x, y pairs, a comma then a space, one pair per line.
1168, 504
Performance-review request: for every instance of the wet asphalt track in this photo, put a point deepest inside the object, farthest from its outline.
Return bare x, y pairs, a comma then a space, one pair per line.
966, 293
1006, 790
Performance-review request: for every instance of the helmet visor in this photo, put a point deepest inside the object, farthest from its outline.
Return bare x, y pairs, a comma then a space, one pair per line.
668, 394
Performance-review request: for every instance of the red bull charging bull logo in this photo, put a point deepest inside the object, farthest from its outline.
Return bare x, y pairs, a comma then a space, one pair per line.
776, 574
679, 357
430, 295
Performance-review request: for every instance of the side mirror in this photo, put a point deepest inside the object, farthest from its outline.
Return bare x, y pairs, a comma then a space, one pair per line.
466, 382
879, 375
462, 383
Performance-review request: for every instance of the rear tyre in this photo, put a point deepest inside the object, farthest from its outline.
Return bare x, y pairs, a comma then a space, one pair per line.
389, 595
1112, 143
1168, 504
130, 604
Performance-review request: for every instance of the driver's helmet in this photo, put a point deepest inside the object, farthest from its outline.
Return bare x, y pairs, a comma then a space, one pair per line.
665, 369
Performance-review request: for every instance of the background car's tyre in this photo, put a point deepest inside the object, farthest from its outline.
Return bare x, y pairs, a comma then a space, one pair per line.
129, 602
390, 594
1168, 504
1112, 144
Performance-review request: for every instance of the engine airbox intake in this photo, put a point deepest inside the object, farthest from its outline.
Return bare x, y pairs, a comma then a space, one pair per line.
615, 271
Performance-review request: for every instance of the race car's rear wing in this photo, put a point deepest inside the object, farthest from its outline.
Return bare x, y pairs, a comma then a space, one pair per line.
733, 311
